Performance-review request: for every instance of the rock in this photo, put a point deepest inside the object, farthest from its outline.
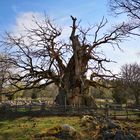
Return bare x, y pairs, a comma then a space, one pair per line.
129, 136
68, 129
119, 135
107, 135
112, 125
86, 118
111, 130
89, 122
64, 132
68, 132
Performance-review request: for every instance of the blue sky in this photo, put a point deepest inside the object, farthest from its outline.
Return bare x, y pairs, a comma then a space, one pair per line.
12, 12
88, 10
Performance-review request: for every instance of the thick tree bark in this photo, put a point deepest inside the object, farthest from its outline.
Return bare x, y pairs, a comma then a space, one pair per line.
74, 85
75, 98
74, 88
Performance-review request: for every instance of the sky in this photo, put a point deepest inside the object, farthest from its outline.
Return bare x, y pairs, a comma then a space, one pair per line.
15, 13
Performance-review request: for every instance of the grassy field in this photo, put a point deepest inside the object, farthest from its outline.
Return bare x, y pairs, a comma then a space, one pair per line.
24, 128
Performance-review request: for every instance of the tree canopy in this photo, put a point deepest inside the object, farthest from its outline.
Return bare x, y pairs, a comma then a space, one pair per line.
40, 56
131, 8
130, 74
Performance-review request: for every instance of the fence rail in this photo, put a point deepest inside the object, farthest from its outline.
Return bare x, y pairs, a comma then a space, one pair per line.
49, 108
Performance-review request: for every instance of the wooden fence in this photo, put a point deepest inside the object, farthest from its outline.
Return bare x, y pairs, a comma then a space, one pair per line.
49, 108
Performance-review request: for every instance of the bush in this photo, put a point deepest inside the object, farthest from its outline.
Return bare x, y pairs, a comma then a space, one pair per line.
119, 97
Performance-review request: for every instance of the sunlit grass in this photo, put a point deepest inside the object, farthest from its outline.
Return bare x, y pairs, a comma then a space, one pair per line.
25, 127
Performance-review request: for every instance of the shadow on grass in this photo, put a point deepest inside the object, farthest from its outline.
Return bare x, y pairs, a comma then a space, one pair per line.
11, 115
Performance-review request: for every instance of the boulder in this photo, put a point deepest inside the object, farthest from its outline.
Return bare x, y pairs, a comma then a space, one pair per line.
69, 130
89, 122
60, 132
112, 125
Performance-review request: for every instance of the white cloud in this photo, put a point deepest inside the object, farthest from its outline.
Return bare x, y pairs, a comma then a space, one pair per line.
26, 20
130, 48
128, 55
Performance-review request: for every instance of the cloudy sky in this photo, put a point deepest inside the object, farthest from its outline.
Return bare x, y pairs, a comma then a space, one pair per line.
16, 13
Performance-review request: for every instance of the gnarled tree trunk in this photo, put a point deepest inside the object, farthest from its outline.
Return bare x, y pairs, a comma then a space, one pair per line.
74, 87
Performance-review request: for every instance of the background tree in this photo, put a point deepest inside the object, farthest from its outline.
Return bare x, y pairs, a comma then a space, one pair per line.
5, 67
130, 74
42, 58
119, 92
132, 10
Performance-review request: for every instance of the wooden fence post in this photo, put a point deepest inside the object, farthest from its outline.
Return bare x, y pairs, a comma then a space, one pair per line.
114, 114
43, 106
16, 106
106, 110
126, 113
65, 104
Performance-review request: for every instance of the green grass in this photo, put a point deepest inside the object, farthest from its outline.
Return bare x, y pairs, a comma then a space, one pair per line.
25, 127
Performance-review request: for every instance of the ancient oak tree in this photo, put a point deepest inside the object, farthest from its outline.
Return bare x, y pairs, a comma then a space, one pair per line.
41, 57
